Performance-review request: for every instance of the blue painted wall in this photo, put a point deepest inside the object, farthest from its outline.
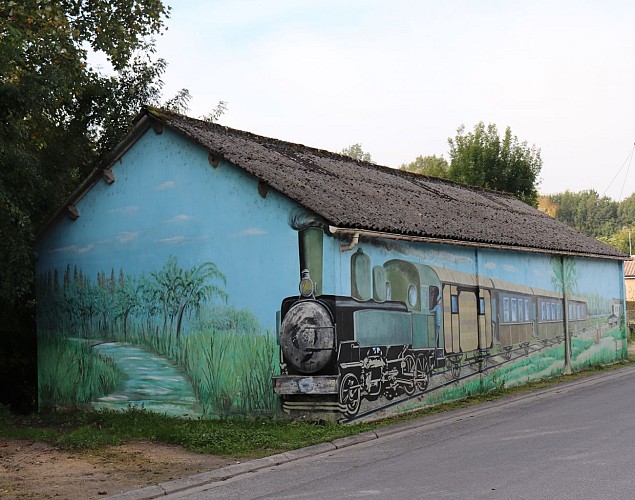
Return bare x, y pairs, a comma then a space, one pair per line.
169, 217
164, 293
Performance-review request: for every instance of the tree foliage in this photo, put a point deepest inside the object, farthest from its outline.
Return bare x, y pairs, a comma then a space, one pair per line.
59, 116
433, 166
609, 221
356, 152
587, 212
482, 158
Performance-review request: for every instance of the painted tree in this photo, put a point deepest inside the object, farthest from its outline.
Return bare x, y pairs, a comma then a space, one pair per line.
126, 300
564, 275
482, 158
182, 291
165, 292
196, 287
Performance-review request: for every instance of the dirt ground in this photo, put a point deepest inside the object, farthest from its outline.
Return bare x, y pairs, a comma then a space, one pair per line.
38, 470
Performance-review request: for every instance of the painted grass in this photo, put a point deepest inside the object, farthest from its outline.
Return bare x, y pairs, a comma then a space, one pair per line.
71, 373
224, 437
231, 372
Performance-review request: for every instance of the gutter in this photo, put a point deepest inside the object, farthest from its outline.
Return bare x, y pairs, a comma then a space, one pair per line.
357, 233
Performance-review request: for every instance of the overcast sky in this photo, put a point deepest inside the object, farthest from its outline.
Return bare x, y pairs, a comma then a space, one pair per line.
399, 77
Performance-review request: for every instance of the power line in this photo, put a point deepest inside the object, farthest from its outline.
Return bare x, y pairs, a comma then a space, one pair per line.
628, 160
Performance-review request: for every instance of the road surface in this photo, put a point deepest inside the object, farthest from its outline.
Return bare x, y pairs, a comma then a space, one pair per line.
575, 441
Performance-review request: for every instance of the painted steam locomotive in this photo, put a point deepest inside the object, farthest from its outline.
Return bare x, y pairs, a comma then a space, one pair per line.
402, 322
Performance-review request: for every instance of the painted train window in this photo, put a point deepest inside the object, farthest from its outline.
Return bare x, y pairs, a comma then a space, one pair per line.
481, 305
412, 295
425, 292
506, 310
360, 275
513, 308
379, 284
527, 316
372, 327
454, 303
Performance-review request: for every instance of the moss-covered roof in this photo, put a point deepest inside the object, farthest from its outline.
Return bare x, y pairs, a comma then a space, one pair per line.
360, 195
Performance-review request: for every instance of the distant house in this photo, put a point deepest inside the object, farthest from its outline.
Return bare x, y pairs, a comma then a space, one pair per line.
629, 279
208, 271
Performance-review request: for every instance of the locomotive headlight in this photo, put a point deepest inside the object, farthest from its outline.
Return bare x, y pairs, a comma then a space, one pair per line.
306, 284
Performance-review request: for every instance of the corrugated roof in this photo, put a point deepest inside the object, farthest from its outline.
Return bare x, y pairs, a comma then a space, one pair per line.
359, 195
629, 268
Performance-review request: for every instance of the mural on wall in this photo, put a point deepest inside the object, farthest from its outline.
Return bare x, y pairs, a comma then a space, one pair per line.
165, 293
408, 333
154, 297
165, 341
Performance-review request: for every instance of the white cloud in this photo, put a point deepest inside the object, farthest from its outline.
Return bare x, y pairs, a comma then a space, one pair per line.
174, 240
509, 269
74, 249
126, 237
165, 186
181, 240
252, 231
490, 265
130, 209
180, 218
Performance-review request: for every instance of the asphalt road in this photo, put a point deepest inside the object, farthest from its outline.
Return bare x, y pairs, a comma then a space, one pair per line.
574, 441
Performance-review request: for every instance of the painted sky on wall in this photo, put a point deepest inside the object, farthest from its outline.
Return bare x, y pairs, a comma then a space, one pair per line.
400, 77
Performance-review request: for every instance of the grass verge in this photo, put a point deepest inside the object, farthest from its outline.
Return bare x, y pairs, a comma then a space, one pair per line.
224, 437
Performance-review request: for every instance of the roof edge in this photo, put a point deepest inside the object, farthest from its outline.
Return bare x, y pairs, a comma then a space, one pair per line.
142, 122
442, 241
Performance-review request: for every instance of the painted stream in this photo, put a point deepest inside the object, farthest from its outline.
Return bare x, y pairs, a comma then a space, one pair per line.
152, 382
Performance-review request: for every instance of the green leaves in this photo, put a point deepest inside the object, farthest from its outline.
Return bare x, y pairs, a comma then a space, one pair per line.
432, 166
482, 158
356, 152
58, 116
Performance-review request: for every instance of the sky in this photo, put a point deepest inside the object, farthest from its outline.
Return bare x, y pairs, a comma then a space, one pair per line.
400, 77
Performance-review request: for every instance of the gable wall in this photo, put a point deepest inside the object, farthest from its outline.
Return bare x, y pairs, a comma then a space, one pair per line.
200, 262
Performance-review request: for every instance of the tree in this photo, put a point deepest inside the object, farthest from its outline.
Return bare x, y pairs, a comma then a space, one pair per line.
587, 212
433, 166
58, 119
482, 158
356, 152
626, 211
622, 240
58, 116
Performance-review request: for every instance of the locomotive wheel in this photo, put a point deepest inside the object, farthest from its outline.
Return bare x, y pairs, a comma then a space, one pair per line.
350, 394
507, 353
410, 367
422, 378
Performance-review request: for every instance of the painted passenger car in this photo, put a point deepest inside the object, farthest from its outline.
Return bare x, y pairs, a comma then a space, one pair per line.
403, 322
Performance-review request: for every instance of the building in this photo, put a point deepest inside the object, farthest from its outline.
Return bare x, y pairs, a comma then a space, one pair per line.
210, 271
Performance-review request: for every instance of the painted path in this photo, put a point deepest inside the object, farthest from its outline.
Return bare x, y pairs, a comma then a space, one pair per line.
152, 382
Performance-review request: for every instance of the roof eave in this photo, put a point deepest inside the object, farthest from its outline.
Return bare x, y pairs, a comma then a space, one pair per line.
464, 243
142, 123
